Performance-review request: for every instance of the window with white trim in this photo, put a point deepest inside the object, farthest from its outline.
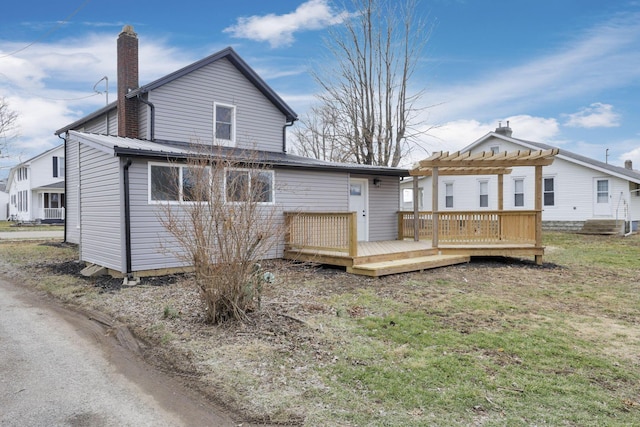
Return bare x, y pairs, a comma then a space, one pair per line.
173, 183
243, 185
518, 192
448, 195
224, 117
495, 149
549, 192
484, 194
58, 166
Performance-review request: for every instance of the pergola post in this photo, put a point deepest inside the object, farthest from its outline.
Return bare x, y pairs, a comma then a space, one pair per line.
538, 208
416, 210
434, 206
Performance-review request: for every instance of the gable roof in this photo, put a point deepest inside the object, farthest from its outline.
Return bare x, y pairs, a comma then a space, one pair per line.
617, 171
227, 53
177, 150
235, 59
13, 170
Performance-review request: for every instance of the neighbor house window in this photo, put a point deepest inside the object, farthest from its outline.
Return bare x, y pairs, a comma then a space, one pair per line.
448, 198
58, 166
518, 192
243, 185
549, 192
603, 191
484, 194
168, 183
495, 149
225, 117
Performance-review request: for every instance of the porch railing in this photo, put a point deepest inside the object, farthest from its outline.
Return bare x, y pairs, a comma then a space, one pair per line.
324, 231
472, 227
52, 213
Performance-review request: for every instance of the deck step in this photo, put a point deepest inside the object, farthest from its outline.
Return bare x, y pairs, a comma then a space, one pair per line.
384, 268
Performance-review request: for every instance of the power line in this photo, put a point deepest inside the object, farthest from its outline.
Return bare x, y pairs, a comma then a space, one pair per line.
48, 33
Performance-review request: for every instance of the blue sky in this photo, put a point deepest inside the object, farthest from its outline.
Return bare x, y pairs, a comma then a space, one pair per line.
563, 72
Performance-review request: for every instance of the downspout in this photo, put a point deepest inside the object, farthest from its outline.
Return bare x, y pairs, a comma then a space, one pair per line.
127, 219
152, 116
284, 134
64, 232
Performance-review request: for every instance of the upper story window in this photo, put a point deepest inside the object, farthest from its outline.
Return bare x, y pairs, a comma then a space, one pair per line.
243, 185
518, 192
484, 194
58, 166
172, 183
448, 198
495, 149
22, 174
548, 190
225, 123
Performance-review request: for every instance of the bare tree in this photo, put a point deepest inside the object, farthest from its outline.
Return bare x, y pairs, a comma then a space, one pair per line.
8, 126
224, 222
321, 136
367, 87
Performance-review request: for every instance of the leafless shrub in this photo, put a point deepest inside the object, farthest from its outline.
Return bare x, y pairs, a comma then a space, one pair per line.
224, 221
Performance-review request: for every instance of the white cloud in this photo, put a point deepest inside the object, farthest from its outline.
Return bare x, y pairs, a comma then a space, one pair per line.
582, 66
633, 155
278, 30
595, 115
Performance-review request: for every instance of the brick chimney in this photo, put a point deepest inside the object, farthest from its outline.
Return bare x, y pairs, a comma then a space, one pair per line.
504, 130
628, 164
127, 81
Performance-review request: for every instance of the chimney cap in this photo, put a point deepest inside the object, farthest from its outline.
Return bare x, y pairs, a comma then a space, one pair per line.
128, 30
504, 130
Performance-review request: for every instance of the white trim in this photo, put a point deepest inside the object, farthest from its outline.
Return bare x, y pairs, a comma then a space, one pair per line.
365, 191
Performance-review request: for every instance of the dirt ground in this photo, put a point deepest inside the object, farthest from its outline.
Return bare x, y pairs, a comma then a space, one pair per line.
288, 333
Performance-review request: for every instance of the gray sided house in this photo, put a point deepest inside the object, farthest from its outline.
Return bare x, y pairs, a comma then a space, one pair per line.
113, 155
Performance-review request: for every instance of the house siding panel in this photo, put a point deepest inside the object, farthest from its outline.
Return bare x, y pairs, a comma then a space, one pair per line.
100, 200
184, 108
72, 224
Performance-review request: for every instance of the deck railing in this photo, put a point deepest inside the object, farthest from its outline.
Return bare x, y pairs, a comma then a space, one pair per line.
472, 227
323, 231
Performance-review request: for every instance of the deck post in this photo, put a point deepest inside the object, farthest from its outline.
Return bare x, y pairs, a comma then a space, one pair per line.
287, 231
416, 210
538, 207
353, 235
500, 203
434, 206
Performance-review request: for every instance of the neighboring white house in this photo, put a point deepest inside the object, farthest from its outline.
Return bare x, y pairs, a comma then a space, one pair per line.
36, 188
575, 188
4, 200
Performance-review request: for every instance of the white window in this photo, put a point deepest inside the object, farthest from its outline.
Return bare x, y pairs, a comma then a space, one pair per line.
448, 191
242, 185
224, 124
548, 190
58, 166
518, 192
603, 190
484, 194
495, 149
169, 183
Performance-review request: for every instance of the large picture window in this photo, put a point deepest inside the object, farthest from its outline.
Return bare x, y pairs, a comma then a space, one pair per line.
172, 183
243, 185
225, 117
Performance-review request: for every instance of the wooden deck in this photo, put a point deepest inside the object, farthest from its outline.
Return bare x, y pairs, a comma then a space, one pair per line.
380, 258
329, 238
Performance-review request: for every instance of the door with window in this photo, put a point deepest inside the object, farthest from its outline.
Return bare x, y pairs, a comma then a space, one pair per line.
359, 203
602, 197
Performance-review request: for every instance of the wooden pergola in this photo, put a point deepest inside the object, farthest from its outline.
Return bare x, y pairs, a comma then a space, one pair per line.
484, 163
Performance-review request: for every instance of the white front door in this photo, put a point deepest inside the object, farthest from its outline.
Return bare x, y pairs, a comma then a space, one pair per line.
601, 197
359, 203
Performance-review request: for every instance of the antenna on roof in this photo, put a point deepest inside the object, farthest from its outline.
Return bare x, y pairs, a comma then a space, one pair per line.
606, 156
106, 91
